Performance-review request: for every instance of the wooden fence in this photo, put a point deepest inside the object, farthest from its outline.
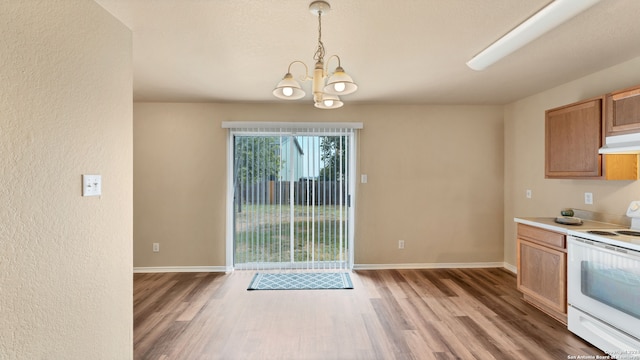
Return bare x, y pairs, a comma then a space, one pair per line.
305, 192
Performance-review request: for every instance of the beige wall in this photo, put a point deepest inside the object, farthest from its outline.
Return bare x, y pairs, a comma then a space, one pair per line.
455, 151
435, 180
524, 156
65, 110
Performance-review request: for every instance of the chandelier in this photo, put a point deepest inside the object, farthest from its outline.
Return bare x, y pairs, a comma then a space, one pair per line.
325, 94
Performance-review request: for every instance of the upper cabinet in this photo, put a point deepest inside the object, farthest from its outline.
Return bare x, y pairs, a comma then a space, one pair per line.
622, 115
573, 136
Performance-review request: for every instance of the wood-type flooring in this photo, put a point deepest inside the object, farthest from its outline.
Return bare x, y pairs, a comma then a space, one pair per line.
390, 314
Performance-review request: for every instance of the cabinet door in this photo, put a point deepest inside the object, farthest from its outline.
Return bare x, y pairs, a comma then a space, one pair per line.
623, 112
573, 135
542, 274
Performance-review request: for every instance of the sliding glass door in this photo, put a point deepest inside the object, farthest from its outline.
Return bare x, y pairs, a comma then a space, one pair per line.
292, 191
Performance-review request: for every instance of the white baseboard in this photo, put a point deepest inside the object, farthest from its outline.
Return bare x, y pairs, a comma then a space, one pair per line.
226, 269
511, 268
166, 269
431, 266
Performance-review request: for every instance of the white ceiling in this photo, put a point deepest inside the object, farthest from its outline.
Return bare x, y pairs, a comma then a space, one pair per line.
403, 51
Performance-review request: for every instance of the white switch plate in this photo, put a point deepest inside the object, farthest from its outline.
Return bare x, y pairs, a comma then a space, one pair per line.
588, 198
156, 247
528, 194
91, 185
363, 178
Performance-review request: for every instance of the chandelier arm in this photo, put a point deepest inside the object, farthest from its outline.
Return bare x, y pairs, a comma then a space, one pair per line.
326, 68
306, 69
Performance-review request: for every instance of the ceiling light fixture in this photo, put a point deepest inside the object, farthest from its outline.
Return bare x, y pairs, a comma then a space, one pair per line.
325, 96
544, 20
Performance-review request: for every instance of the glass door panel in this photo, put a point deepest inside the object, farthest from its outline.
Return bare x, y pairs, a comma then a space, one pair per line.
291, 201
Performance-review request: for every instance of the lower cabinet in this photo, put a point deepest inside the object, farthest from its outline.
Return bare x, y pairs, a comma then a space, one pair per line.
542, 270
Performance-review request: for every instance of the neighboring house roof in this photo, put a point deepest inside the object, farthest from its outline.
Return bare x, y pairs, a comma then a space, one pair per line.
297, 144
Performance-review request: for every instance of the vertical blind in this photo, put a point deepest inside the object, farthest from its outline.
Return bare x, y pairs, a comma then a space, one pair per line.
291, 190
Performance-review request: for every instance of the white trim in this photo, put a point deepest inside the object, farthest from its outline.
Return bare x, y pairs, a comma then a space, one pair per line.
244, 128
512, 268
290, 125
428, 266
168, 269
353, 159
229, 223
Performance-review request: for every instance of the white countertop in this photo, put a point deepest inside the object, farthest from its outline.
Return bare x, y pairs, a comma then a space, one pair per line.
550, 224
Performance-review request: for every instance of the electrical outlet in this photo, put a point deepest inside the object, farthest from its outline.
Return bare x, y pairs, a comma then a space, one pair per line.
588, 198
91, 185
400, 244
528, 194
156, 247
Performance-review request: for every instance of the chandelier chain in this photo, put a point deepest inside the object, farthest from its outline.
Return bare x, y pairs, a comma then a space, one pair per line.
319, 55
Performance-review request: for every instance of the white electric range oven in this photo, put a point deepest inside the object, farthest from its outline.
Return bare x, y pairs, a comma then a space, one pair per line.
603, 287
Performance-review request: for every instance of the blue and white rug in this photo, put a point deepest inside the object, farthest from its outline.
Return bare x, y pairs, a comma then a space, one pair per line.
300, 281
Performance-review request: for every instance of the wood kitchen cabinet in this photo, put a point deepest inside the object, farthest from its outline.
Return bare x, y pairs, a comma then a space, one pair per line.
542, 270
622, 112
572, 139
573, 136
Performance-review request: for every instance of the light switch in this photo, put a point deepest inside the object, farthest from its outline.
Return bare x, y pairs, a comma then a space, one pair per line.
363, 178
91, 185
588, 198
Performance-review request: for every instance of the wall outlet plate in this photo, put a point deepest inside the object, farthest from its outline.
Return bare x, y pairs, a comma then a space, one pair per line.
588, 198
91, 185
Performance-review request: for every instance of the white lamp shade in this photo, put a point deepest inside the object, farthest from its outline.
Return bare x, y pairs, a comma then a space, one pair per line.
340, 83
288, 89
329, 102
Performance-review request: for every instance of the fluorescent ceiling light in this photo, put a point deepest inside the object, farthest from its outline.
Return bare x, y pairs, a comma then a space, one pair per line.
544, 20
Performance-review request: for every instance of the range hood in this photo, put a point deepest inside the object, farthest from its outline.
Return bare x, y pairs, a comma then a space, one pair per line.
621, 144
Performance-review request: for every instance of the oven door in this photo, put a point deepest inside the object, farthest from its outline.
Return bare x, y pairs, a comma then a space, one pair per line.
604, 282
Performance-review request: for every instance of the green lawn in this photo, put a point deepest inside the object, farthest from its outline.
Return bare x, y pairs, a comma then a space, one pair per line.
263, 233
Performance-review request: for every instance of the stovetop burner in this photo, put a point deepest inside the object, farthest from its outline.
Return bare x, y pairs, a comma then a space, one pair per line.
603, 233
629, 232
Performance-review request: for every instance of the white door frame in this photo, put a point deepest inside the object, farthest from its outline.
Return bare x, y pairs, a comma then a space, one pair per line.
240, 128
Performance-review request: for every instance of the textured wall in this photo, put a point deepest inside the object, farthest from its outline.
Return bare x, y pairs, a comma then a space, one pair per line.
434, 180
65, 110
524, 156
